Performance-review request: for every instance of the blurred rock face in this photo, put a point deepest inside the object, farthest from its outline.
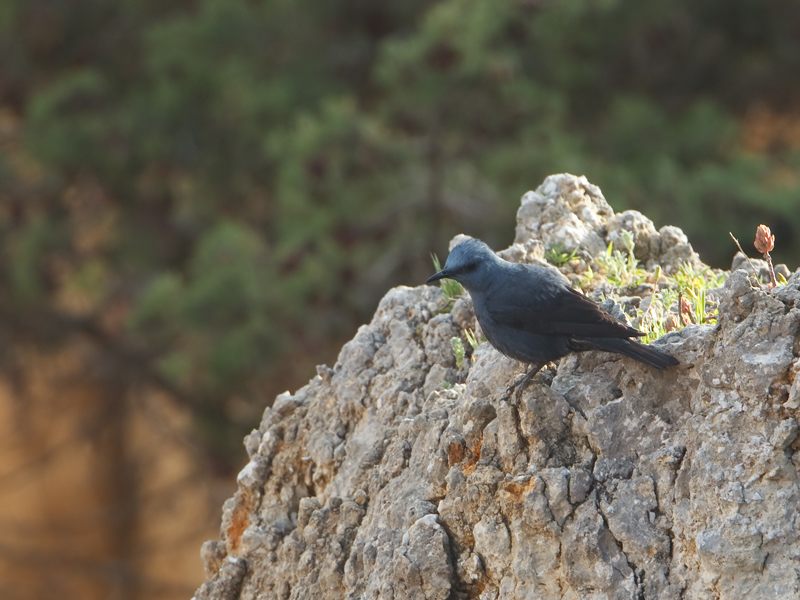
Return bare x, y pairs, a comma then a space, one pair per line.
393, 475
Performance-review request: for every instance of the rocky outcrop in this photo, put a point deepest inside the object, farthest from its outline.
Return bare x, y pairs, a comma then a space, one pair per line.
396, 475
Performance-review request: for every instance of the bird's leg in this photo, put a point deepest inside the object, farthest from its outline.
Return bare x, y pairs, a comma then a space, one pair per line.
521, 383
525, 381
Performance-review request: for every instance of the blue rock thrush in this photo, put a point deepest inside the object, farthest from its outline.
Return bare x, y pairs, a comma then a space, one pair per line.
530, 313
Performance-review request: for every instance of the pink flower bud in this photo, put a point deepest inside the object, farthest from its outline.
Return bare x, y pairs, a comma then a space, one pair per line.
765, 241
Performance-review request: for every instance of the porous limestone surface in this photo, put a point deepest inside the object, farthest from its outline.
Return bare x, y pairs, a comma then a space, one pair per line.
393, 475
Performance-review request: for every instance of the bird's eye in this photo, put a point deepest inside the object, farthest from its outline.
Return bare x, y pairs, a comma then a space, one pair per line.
470, 267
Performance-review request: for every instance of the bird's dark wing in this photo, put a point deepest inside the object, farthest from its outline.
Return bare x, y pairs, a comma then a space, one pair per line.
558, 311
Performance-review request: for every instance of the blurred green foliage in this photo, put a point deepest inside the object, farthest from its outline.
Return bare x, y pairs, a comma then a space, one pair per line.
247, 178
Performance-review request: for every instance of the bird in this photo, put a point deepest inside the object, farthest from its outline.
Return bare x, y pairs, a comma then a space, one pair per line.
531, 314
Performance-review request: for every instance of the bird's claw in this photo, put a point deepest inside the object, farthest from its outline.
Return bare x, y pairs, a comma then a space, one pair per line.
509, 393
519, 385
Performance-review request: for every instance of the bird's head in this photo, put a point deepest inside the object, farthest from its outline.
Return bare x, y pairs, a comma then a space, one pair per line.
471, 264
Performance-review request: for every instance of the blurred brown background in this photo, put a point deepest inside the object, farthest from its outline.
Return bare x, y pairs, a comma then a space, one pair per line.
202, 199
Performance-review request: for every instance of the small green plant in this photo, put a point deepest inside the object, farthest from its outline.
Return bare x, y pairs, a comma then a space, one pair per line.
621, 269
473, 341
627, 240
458, 350
557, 255
450, 287
585, 278
684, 301
688, 279
654, 322
692, 285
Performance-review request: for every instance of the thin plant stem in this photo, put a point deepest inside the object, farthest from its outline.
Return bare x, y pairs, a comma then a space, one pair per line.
745, 255
772, 279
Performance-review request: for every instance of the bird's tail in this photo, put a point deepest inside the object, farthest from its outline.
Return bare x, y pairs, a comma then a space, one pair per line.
635, 350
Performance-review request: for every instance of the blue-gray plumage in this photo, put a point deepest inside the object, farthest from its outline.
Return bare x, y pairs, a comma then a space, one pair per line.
530, 313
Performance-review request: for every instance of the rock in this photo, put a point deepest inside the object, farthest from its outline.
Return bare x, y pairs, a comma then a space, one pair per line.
225, 584
392, 475
673, 250
565, 210
422, 567
740, 261
591, 559
570, 211
643, 230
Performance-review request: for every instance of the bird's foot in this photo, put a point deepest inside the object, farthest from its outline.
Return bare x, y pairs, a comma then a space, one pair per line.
519, 385
510, 390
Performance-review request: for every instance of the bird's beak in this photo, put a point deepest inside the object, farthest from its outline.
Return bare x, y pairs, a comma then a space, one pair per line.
443, 274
